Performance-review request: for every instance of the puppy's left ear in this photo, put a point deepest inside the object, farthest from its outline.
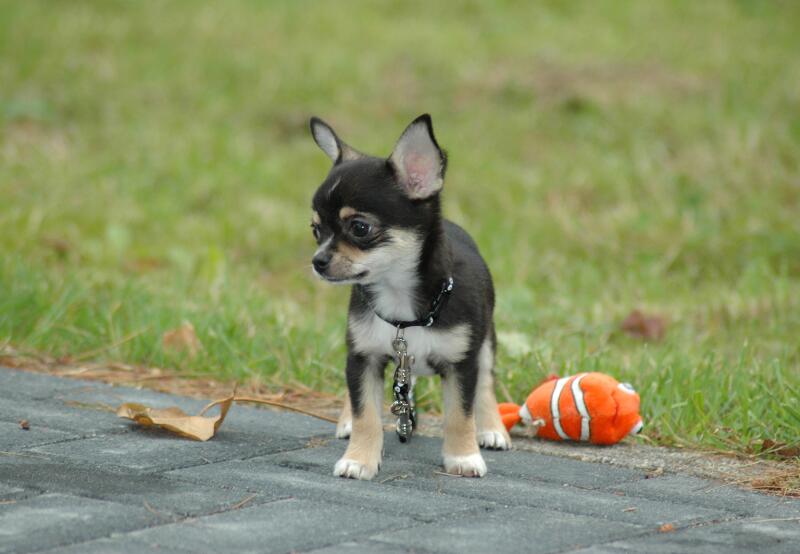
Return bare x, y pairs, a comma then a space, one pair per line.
336, 149
418, 161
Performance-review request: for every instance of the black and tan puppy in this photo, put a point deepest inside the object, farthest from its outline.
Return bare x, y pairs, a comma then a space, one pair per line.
379, 228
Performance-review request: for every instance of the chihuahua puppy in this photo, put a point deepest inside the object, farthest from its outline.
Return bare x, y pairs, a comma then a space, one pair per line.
379, 227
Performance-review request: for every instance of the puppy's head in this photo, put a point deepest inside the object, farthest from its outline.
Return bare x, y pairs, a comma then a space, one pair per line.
371, 215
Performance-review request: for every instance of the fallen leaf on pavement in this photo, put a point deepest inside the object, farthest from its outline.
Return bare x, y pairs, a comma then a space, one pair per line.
647, 327
197, 427
666, 528
176, 420
182, 339
780, 449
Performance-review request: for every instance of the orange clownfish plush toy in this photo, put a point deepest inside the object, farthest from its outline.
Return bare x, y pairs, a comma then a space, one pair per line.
588, 407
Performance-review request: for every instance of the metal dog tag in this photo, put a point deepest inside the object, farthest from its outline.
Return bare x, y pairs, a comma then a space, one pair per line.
403, 405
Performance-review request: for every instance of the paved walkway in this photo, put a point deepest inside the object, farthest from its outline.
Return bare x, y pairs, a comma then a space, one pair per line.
80, 480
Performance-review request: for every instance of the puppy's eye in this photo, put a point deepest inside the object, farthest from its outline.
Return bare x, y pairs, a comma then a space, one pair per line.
360, 228
315, 230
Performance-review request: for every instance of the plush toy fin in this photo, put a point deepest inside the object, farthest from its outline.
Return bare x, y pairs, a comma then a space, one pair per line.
509, 413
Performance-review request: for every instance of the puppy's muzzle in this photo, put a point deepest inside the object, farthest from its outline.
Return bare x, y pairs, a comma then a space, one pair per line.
321, 262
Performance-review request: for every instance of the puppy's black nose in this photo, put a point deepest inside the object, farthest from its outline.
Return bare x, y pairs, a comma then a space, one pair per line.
321, 261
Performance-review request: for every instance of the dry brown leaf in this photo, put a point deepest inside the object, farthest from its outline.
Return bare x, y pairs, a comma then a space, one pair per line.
196, 427
182, 339
176, 420
59, 245
780, 449
144, 265
647, 327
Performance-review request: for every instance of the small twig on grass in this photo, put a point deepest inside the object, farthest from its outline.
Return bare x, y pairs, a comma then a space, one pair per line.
504, 390
136, 379
95, 351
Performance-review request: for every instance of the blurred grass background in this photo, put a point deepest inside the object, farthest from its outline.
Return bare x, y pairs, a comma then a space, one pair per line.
155, 168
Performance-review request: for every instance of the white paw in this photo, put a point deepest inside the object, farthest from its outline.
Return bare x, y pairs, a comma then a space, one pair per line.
471, 465
343, 429
351, 469
496, 440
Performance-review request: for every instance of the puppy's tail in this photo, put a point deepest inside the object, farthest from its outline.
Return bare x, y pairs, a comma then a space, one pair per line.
509, 413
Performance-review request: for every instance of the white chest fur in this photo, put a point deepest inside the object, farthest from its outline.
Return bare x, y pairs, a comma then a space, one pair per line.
372, 335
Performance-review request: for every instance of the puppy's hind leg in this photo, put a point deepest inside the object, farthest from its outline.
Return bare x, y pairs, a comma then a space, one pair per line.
345, 424
491, 431
460, 450
362, 458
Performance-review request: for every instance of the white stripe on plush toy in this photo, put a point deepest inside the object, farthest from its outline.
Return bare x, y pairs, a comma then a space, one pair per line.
554, 409
525, 414
577, 394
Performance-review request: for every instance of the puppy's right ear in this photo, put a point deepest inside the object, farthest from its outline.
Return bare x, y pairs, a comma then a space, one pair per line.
336, 149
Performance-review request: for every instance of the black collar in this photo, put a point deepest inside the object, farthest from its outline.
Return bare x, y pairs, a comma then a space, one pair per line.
436, 307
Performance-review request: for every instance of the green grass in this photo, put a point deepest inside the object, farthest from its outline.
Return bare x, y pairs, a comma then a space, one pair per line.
155, 167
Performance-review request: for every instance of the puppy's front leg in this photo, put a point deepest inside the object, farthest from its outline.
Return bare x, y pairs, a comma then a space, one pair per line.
345, 424
460, 450
362, 458
491, 431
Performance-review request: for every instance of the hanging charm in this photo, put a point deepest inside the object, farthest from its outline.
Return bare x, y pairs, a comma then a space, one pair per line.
402, 389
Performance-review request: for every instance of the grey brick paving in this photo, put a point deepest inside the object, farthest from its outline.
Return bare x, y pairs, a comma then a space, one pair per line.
9, 492
519, 529
748, 535
45, 521
154, 450
607, 506
168, 497
363, 547
83, 481
260, 474
15, 438
55, 415
126, 544
281, 526
691, 490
